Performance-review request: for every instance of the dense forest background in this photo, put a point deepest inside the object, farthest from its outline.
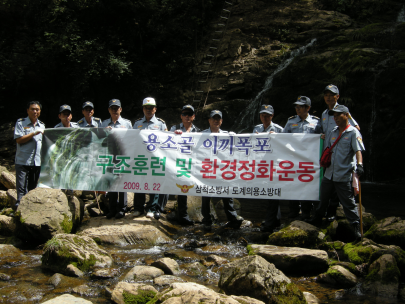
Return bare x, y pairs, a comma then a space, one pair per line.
70, 51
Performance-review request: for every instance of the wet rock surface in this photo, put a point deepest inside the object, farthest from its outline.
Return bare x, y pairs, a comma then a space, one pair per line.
292, 259
339, 277
389, 231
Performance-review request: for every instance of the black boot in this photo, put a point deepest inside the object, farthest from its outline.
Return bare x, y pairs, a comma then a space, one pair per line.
356, 231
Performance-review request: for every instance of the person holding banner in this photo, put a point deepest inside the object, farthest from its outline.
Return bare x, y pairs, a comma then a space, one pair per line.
65, 116
89, 121
303, 122
331, 96
187, 116
338, 176
273, 215
118, 200
149, 121
235, 221
28, 136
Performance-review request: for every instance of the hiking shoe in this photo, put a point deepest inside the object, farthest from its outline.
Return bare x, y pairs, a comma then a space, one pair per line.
150, 215
235, 224
110, 215
119, 215
356, 231
137, 213
185, 222
316, 221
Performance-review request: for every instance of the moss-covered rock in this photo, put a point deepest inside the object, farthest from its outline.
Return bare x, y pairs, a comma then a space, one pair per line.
361, 252
253, 276
383, 277
80, 251
389, 231
297, 234
339, 277
127, 293
4, 201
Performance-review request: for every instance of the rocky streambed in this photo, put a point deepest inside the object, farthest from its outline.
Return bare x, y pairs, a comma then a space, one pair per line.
59, 248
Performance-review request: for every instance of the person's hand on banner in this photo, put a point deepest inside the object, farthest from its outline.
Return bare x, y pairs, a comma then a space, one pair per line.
360, 170
232, 133
323, 136
178, 132
39, 131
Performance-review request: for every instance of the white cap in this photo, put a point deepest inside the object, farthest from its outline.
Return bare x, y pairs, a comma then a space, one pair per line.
149, 101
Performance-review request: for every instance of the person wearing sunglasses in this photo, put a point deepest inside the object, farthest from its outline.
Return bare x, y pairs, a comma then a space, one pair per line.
186, 126
303, 122
149, 122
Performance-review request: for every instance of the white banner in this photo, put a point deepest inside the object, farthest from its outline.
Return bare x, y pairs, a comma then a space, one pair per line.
272, 166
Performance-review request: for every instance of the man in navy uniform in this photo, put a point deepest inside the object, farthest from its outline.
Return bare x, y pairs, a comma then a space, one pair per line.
273, 215
149, 121
235, 221
118, 200
89, 120
186, 126
65, 116
28, 136
303, 122
346, 158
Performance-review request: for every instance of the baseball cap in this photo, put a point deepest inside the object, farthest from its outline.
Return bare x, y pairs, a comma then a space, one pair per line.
114, 102
334, 89
267, 109
216, 112
188, 107
149, 101
88, 104
303, 101
339, 109
65, 107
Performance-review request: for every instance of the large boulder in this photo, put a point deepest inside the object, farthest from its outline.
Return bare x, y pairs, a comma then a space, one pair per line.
80, 251
297, 234
76, 207
389, 231
368, 251
338, 276
133, 293
292, 259
128, 230
44, 213
8, 180
254, 277
180, 293
383, 277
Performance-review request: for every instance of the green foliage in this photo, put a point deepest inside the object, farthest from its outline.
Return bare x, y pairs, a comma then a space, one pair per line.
143, 297
66, 224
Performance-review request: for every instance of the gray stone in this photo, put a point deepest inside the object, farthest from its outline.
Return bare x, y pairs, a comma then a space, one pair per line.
7, 225
293, 259
180, 293
76, 206
43, 214
65, 249
4, 277
254, 277
166, 280
56, 279
213, 259
143, 273
67, 299
383, 277
85, 290
10, 252
73, 271
311, 299
339, 277
388, 231
12, 196
8, 180
195, 269
297, 234
106, 273
4, 201
133, 289
168, 265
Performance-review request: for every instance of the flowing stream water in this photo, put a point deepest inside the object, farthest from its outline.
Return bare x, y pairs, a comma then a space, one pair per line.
245, 121
401, 15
